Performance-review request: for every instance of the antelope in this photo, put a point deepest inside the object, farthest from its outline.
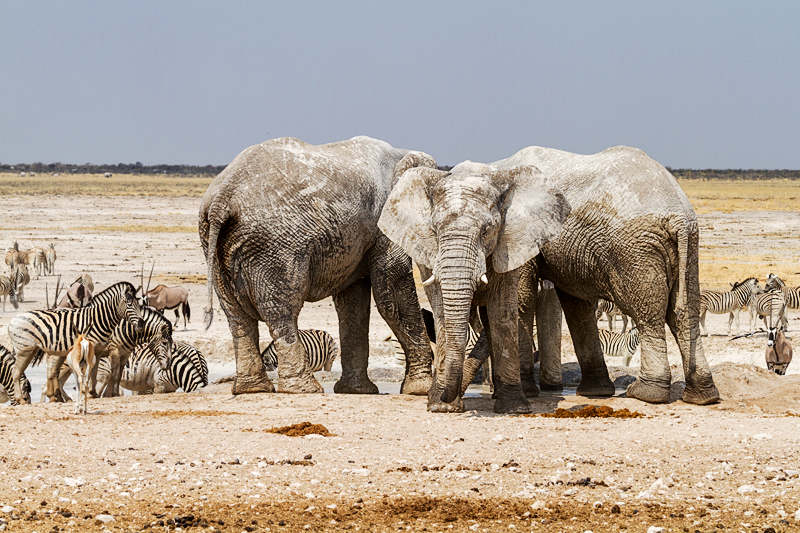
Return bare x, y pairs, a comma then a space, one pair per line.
79, 294
779, 351
81, 360
164, 297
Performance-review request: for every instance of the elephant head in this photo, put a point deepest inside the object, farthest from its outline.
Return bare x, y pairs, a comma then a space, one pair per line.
454, 223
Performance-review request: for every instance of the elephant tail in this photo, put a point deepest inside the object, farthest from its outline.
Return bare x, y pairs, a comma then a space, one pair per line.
682, 228
215, 222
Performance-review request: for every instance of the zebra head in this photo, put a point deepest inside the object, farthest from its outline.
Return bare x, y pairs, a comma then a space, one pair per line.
161, 345
128, 306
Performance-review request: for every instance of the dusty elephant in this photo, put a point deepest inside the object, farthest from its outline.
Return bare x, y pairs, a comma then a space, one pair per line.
288, 222
470, 230
632, 238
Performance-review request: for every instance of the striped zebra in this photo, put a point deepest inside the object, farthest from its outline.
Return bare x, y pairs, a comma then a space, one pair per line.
20, 278
619, 344
610, 309
50, 259
791, 294
52, 332
12, 256
769, 305
30, 258
154, 331
142, 374
319, 345
400, 354
7, 289
730, 302
6, 378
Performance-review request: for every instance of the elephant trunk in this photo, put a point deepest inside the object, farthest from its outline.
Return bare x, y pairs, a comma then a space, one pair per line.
458, 275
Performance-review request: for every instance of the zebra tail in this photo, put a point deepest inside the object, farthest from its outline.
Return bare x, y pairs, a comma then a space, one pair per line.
187, 312
37, 357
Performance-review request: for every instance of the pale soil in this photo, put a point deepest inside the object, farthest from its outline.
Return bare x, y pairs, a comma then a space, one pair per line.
735, 464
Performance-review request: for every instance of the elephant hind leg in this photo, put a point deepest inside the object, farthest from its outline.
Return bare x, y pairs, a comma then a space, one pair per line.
580, 315
250, 374
352, 306
700, 388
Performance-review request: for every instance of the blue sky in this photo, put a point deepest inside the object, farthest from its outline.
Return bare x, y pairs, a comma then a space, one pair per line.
694, 84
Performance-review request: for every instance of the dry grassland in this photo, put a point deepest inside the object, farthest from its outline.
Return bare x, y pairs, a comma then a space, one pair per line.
98, 185
728, 196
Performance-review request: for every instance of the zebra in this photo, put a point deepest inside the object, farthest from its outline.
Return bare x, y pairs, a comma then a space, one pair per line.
6, 381
142, 374
730, 302
611, 311
791, 294
20, 278
30, 259
7, 289
154, 331
619, 344
50, 259
772, 305
52, 331
319, 345
12, 256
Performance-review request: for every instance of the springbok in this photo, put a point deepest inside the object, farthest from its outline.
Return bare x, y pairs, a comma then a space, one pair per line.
779, 351
81, 360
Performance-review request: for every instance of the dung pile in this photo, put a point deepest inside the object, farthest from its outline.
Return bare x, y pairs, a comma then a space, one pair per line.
301, 430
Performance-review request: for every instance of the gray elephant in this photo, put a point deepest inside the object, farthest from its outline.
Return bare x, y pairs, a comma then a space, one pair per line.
288, 222
470, 231
632, 238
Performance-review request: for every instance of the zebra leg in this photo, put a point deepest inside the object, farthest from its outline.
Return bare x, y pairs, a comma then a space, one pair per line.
395, 296
610, 317
730, 321
54, 363
352, 306
250, 374
624, 324
583, 329
117, 364
22, 360
702, 322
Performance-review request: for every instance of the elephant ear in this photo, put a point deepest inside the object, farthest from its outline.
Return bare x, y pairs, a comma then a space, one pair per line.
534, 214
412, 160
406, 216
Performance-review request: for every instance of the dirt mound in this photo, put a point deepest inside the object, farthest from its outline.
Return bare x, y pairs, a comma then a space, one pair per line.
592, 411
301, 430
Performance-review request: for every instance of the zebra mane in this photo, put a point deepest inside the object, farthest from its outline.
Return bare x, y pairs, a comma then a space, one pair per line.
109, 292
740, 283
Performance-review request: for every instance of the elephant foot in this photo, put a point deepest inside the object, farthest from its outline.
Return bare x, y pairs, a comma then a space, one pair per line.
529, 388
701, 391
416, 385
436, 405
648, 392
597, 386
552, 387
511, 400
252, 384
300, 385
355, 385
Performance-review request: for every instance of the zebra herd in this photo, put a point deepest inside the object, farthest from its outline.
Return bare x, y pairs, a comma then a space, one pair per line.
769, 303
19, 263
133, 344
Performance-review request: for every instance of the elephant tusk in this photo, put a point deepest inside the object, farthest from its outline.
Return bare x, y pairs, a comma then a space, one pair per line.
428, 281
484, 279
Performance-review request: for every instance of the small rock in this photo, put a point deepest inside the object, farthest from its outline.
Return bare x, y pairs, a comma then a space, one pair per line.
499, 438
571, 492
744, 489
7, 509
655, 529
597, 505
762, 436
797, 515
538, 504
103, 519
73, 482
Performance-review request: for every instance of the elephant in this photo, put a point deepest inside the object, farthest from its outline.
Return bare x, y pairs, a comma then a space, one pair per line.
288, 222
470, 231
632, 238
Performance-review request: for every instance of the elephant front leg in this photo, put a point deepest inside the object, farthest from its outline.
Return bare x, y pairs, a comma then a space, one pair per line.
580, 315
250, 374
396, 299
352, 306
501, 319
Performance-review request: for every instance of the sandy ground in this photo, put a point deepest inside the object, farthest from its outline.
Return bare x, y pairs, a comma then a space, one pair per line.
390, 464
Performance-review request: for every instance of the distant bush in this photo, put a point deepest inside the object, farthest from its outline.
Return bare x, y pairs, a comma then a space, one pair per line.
120, 168
733, 174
